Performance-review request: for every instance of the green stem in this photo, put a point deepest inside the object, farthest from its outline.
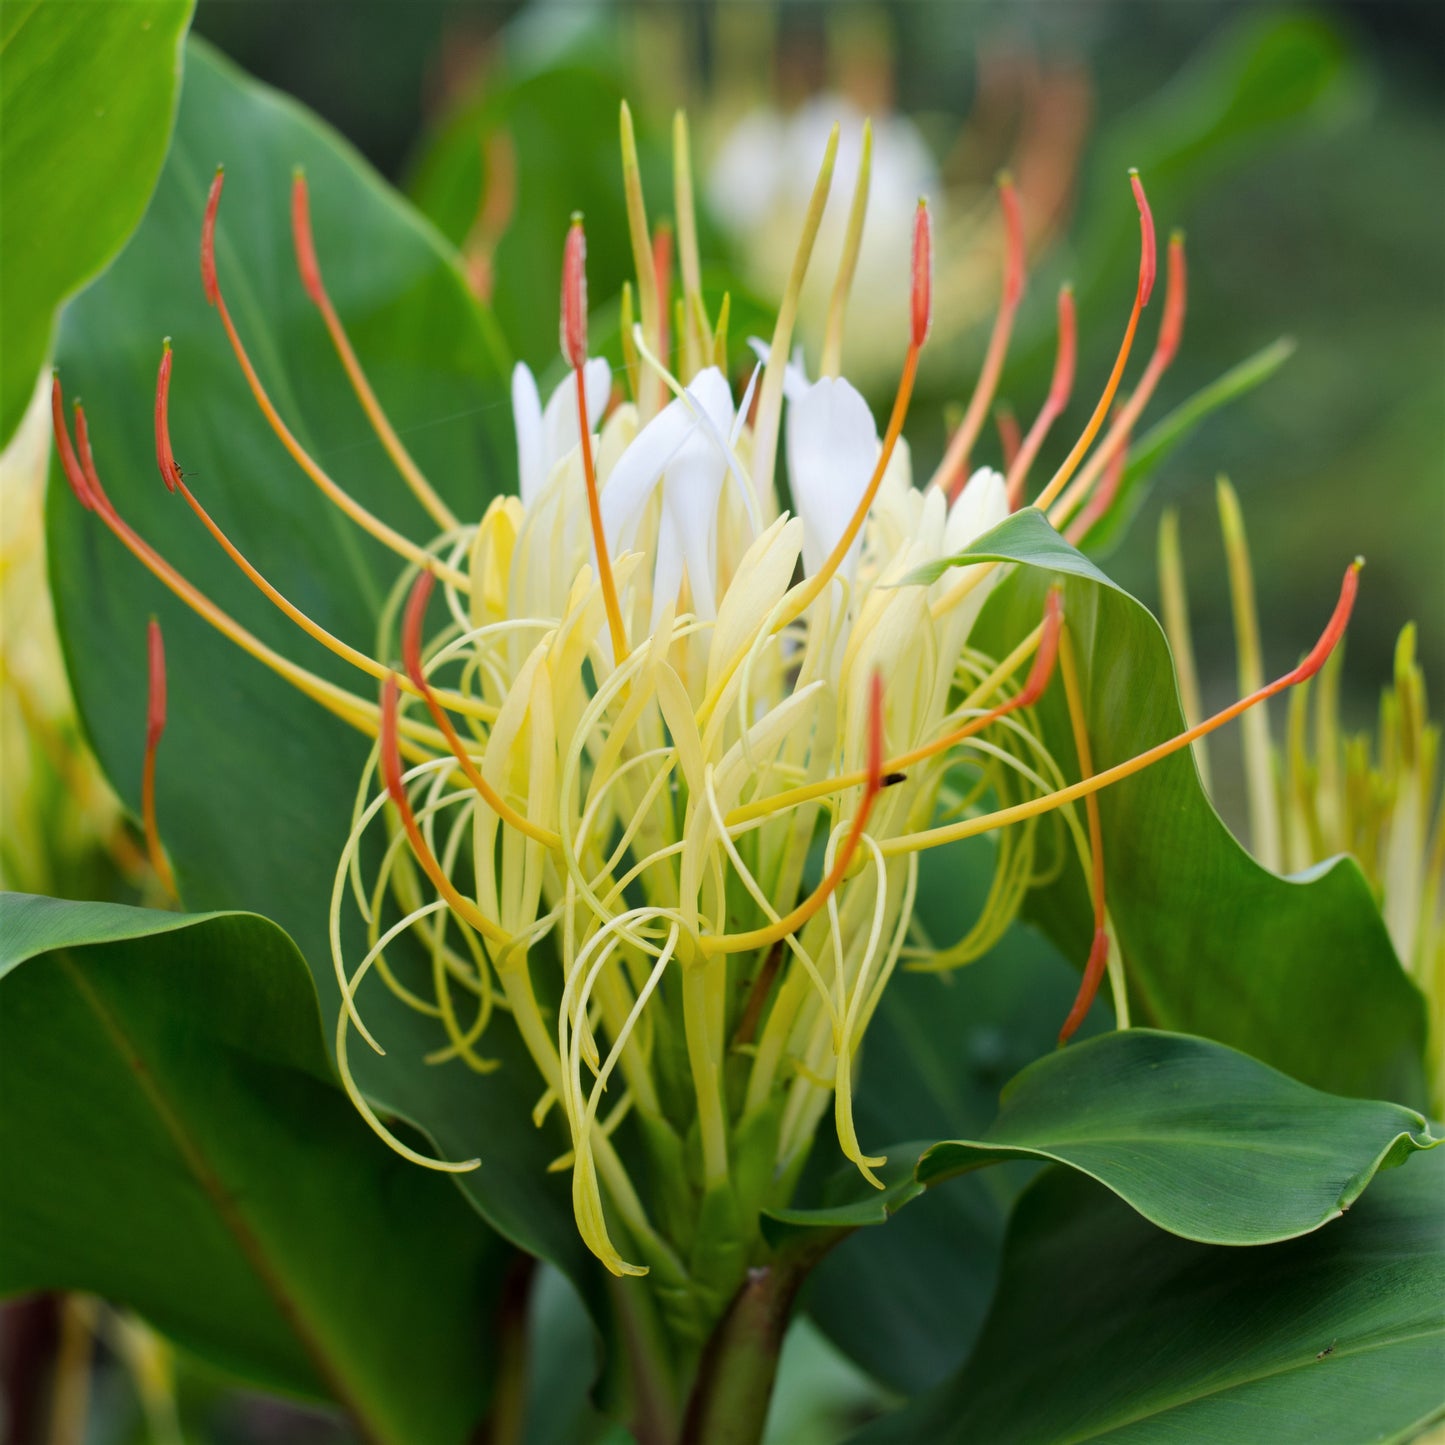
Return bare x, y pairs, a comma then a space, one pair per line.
734, 1388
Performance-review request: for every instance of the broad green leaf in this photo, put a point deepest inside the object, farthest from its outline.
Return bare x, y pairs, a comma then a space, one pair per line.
1298, 972
175, 1140
1151, 450
256, 784
906, 1302
1107, 1329
87, 97
1202, 1140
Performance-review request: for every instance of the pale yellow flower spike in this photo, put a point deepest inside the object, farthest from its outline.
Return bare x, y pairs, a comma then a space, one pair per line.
1174, 606
770, 394
831, 362
1264, 831
695, 334
643, 260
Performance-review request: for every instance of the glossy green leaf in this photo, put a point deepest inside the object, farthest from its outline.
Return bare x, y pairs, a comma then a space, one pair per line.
1298, 972
1107, 1329
87, 97
1202, 1140
1154, 447
255, 783
175, 1140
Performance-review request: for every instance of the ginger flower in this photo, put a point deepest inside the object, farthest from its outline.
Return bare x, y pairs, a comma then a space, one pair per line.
657, 751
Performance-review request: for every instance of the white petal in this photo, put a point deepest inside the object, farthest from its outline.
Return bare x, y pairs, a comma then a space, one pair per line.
629, 484
795, 374
527, 418
982, 505
832, 446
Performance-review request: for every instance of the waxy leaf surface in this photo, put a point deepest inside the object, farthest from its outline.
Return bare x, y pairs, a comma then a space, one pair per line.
255, 783
87, 97
1297, 971
1107, 1329
175, 1140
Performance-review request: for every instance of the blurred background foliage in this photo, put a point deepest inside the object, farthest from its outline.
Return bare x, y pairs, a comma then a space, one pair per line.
1300, 148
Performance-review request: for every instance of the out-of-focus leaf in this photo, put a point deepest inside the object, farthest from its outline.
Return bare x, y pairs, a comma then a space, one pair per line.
1107, 1329
1298, 972
87, 97
255, 783
1161, 439
175, 1140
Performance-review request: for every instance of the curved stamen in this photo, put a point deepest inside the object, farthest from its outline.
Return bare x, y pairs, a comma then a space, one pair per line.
411, 654
953, 469
792, 922
1147, 261
367, 521
1060, 386
1116, 440
310, 270
155, 726
574, 349
971, 827
460, 904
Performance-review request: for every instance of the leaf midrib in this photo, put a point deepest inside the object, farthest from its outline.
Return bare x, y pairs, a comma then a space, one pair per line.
228, 1209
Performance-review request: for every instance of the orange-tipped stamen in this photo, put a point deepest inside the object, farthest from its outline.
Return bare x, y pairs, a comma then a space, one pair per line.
574, 349
1102, 499
790, 923
166, 461
953, 469
165, 457
155, 726
1099, 952
416, 606
310, 270
85, 481
1043, 643
1145, 285
461, 905
1035, 807
1089, 987
65, 451
921, 319
1060, 386
367, 521
1166, 347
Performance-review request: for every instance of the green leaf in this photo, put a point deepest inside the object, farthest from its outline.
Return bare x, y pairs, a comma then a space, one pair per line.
1202, 1140
1025, 536
255, 783
176, 1142
1160, 440
88, 99
1107, 1329
1298, 972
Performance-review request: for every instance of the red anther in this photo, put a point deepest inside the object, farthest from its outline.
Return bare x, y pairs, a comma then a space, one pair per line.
68, 463
302, 238
1010, 438
1013, 269
574, 296
1046, 656
208, 238
875, 735
165, 457
1063, 379
922, 275
1089, 988
1330, 638
389, 746
156, 703
415, 615
87, 464
1147, 254
1171, 329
